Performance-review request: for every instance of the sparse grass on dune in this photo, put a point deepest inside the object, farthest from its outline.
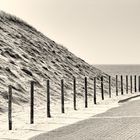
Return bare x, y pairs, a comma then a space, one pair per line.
26, 54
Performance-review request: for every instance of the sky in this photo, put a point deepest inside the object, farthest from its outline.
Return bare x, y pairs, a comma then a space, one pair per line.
98, 31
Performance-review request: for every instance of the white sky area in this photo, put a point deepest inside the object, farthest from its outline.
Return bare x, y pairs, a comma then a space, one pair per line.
98, 31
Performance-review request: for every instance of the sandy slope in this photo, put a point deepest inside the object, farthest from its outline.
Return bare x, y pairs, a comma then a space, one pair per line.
26, 54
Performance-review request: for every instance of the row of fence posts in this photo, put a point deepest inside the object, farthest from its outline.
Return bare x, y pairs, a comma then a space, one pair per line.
74, 94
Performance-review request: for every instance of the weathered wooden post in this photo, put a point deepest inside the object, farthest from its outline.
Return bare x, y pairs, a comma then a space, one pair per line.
109, 86
48, 99
32, 103
62, 96
10, 107
94, 90
74, 92
116, 85
135, 80
131, 86
86, 103
102, 88
121, 84
139, 83
127, 84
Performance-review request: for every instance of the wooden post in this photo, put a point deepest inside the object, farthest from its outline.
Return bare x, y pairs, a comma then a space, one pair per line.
127, 84
131, 86
102, 88
135, 80
116, 85
121, 84
109, 86
32, 103
86, 104
94, 90
10, 107
74, 92
62, 96
139, 83
48, 99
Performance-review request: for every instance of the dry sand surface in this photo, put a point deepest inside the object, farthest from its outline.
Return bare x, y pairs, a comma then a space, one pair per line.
23, 130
